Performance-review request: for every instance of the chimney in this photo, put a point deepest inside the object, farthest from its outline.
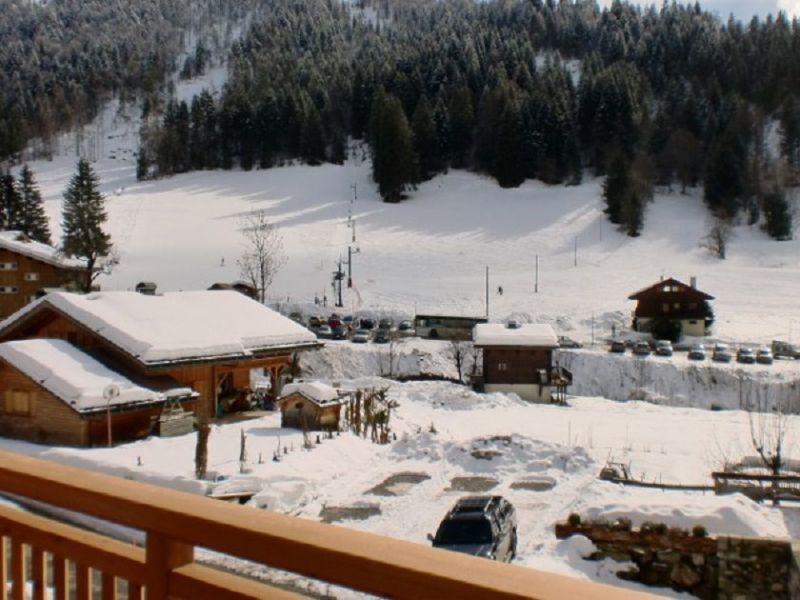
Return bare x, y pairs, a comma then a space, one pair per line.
693, 282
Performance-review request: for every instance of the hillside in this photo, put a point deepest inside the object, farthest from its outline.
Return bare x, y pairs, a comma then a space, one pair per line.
429, 253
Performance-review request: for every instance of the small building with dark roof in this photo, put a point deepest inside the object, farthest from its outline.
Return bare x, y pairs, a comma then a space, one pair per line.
672, 301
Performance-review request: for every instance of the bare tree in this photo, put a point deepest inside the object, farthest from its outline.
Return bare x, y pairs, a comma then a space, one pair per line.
263, 253
719, 234
768, 429
459, 350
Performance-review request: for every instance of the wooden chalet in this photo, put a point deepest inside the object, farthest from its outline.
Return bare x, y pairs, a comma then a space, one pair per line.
51, 392
673, 300
207, 341
311, 406
519, 358
28, 267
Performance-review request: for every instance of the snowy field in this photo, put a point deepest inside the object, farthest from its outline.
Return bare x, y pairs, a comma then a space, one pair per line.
445, 431
429, 253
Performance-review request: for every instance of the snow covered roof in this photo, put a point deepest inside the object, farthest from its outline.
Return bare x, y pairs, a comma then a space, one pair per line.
74, 377
18, 242
529, 334
177, 326
321, 394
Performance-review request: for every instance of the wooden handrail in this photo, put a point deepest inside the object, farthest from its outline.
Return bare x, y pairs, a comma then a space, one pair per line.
354, 559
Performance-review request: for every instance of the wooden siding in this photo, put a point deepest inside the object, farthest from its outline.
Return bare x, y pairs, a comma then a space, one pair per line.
300, 413
203, 378
51, 421
515, 364
49, 276
673, 300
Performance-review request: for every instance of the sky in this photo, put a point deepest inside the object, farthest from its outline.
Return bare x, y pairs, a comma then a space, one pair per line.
741, 9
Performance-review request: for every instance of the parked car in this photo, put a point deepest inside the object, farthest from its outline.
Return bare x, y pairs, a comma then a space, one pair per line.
663, 348
324, 332
314, 322
697, 352
641, 349
339, 332
361, 336
567, 342
296, 317
483, 526
366, 323
746, 356
764, 356
617, 346
785, 349
721, 353
347, 321
405, 328
382, 336
385, 324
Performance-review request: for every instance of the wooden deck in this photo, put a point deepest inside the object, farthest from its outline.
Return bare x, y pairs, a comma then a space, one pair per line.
42, 550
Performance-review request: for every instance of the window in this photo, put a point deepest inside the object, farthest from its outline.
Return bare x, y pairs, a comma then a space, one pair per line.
19, 403
677, 305
30, 298
502, 366
665, 308
8, 289
692, 305
31, 277
10, 266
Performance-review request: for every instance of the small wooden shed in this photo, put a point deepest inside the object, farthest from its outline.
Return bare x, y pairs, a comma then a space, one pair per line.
311, 406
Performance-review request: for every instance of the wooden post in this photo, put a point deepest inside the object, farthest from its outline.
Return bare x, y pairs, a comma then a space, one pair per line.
164, 555
39, 573
17, 570
3, 568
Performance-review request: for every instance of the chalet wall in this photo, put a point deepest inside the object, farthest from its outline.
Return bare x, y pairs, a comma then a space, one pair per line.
45, 275
515, 365
300, 413
50, 420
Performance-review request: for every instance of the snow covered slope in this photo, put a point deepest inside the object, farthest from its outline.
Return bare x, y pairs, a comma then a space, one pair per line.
429, 254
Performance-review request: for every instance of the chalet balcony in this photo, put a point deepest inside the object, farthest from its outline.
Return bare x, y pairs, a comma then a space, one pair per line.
41, 557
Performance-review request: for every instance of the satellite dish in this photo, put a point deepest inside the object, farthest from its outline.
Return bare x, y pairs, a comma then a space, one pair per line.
110, 392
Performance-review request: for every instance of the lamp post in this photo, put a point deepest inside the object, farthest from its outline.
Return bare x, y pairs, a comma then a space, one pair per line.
110, 392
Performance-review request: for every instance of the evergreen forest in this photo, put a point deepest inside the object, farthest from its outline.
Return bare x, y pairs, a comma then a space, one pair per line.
516, 89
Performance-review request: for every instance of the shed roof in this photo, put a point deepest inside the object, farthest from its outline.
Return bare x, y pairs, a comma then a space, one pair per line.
17, 241
176, 326
75, 377
317, 392
537, 335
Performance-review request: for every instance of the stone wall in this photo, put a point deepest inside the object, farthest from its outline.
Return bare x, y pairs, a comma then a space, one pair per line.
753, 568
726, 568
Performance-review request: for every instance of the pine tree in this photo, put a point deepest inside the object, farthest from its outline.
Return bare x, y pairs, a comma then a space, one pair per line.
34, 220
616, 187
394, 161
82, 219
11, 205
426, 141
777, 215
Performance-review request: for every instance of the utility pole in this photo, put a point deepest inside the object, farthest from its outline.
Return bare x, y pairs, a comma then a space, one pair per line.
487, 292
338, 275
349, 267
575, 260
536, 281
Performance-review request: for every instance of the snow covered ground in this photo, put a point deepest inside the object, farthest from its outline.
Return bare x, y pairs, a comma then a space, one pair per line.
445, 431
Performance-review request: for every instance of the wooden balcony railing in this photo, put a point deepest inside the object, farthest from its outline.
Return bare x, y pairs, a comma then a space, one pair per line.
47, 556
